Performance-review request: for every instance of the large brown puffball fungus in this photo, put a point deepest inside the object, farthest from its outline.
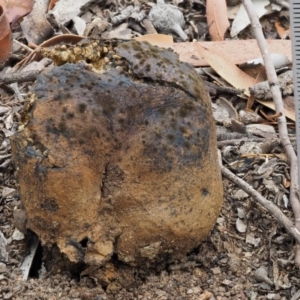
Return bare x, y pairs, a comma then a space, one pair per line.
124, 159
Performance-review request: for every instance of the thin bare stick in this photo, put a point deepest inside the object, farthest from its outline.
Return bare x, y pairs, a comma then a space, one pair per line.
19, 76
149, 26
282, 124
296, 296
282, 3
268, 205
23, 46
238, 141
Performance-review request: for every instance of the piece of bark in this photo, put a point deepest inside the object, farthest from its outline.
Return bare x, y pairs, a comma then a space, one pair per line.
262, 91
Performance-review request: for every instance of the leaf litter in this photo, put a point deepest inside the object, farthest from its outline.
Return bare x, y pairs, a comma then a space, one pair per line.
248, 255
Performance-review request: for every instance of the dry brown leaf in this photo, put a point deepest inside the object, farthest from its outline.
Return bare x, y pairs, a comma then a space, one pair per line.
5, 37
282, 32
52, 4
288, 103
237, 51
15, 9
217, 20
156, 39
255, 71
226, 69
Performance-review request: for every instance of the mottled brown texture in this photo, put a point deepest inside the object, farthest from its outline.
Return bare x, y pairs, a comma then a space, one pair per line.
114, 163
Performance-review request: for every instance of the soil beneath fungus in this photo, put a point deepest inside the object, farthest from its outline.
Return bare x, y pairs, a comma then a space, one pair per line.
224, 266
221, 268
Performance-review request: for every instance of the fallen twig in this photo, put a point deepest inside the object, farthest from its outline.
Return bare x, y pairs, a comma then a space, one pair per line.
19, 77
238, 141
282, 3
282, 124
296, 296
224, 89
268, 205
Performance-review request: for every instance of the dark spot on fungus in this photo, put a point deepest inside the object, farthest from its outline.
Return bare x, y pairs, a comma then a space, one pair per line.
121, 120
81, 107
182, 129
81, 141
70, 115
158, 134
171, 137
93, 131
125, 46
62, 126
204, 192
138, 55
187, 145
148, 68
96, 112
185, 109
155, 55
50, 205
137, 47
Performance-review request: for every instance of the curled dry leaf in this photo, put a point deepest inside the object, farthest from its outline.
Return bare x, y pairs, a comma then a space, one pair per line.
240, 225
15, 9
35, 26
288, 104
121, 32
5, 37
217, 19
65, 11
79, 25
96, 27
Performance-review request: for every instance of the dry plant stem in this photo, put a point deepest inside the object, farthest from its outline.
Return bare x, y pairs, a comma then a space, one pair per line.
149, 26
224, 89
282, 125
23, 46
296, 296
268, 205
282, 3
19, 77
238, 141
